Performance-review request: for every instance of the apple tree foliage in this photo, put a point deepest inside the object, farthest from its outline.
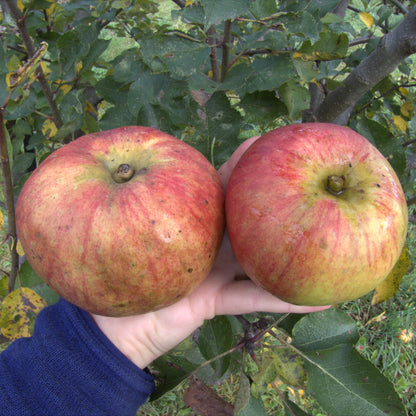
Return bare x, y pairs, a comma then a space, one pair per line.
213, 73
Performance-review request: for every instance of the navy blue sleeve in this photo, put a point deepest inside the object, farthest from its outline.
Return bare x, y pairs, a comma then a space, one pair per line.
69, 368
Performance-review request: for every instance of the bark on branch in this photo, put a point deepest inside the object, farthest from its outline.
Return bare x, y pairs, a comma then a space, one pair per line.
30, 48
392, 49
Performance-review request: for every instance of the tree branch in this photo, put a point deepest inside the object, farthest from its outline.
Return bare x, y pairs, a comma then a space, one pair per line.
393, 48
212, 42
227, 37
7, 185
180, 3
27, 40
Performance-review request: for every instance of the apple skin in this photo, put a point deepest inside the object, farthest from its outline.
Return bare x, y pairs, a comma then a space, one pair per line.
119, 249
298, 240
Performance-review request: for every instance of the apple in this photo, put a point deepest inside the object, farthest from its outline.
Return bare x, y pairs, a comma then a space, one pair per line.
123, 221
315, 214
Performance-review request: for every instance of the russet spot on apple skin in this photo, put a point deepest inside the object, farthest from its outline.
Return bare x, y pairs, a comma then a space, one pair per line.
315, 214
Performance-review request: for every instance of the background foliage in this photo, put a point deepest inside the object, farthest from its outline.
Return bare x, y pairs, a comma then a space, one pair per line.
213, 73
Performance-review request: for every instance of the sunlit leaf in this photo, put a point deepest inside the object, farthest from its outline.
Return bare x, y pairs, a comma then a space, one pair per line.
19, 248
49, 128
18, 312
1, 220
19, 76
400, 123
377, 318
407, 108
387, 289
367, 19
4, 283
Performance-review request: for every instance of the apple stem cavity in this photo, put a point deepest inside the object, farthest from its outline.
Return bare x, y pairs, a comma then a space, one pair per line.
335, 184
123, 173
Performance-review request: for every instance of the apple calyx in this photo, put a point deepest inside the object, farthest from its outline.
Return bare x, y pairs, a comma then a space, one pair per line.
335, 184
123, 173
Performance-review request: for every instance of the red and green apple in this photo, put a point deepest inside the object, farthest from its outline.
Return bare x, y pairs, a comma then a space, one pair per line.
315, 214
123, 221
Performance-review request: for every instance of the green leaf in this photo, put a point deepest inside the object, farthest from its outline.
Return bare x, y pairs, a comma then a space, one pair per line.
140, 93
295, 97
224, 123
70, 48
321, 8
117, 116
383, 139
324, 329
263, 8
245, 404
22, 162
214, 340
110, 89
263, 74
302, 23
127, 67
261, 107
344, 383
217, 11
171, 371
291, 409
96, 49
181, 56
331, 45
29, 278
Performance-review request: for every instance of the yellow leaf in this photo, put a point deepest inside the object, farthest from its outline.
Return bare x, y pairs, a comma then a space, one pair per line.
18, 313
78, 67
387, 289
377, 318
407, 108
400, 123
304, 56
65, 88
406, 336
45, 68
189, 2
19, 249
367, 19
49, 128
4, 285
404, 91
51, 8
27, 71
1, 220
20, 5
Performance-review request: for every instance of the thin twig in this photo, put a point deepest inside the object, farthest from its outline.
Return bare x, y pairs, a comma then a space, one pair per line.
7, 185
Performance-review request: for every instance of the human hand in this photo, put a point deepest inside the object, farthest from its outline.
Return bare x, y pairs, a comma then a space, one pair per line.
143, 338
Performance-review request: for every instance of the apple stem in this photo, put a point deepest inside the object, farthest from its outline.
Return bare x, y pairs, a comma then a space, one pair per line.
123, 173
335, 184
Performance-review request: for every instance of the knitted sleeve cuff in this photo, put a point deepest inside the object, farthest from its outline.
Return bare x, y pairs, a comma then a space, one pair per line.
68, 367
